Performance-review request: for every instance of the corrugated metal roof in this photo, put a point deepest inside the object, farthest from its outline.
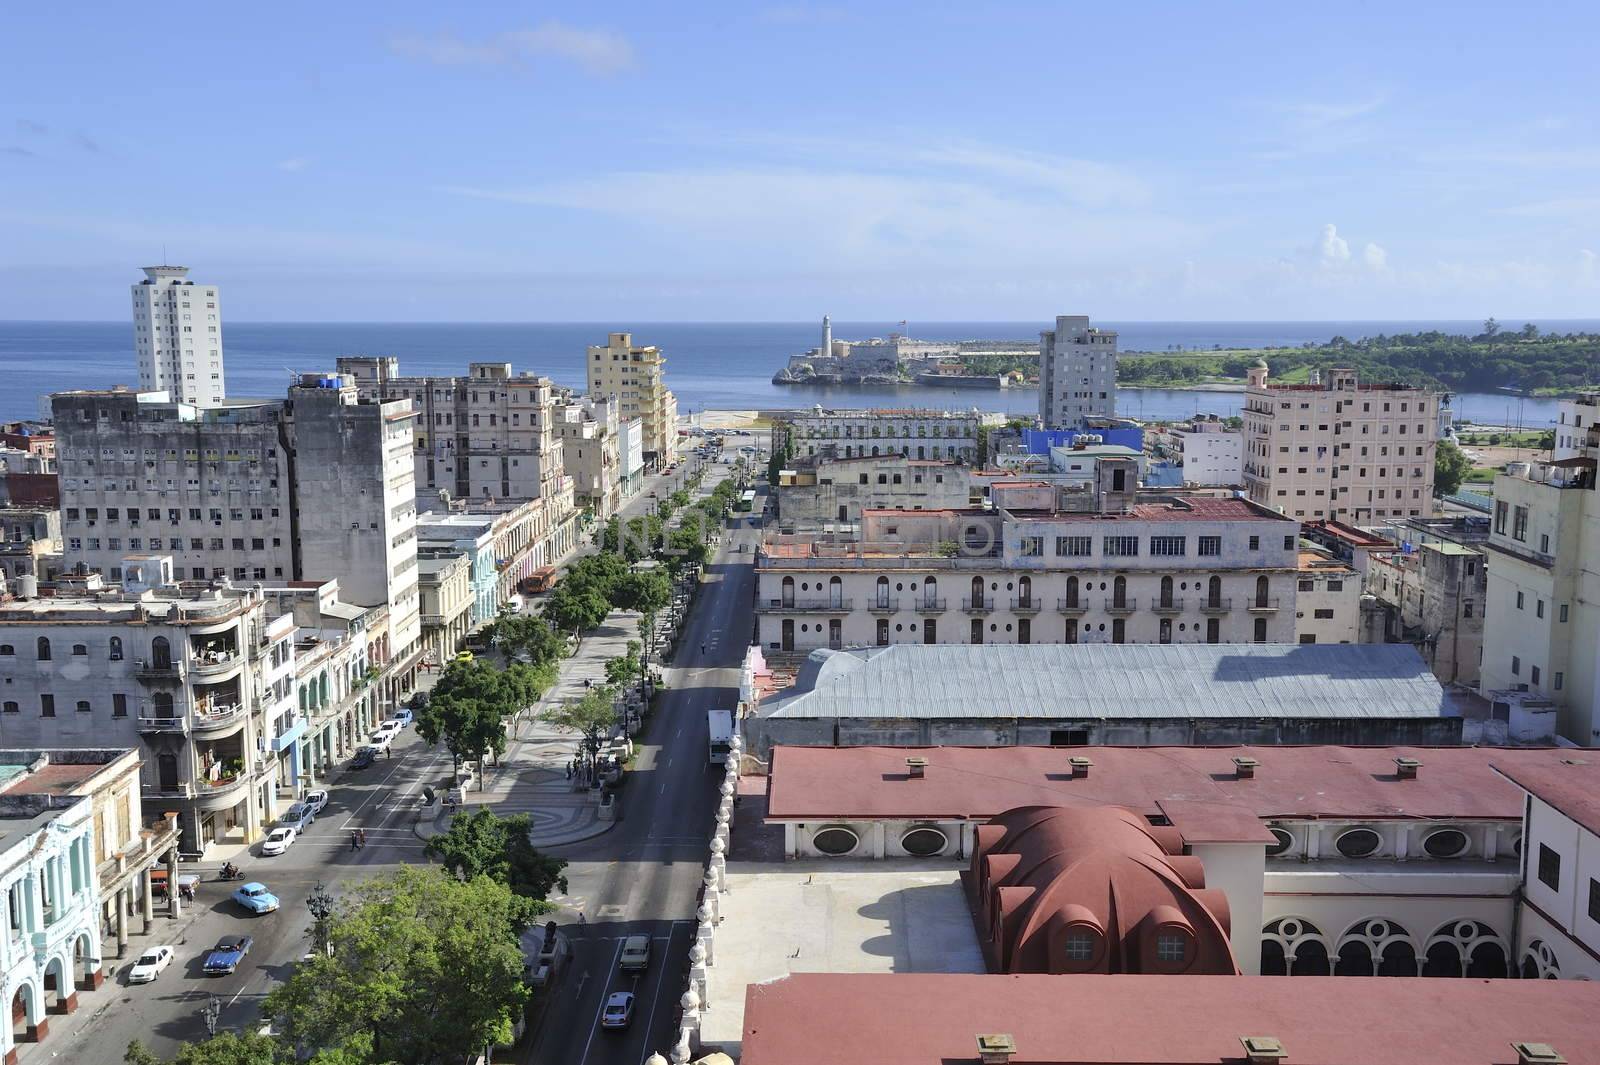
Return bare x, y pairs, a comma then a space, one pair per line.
1379, 681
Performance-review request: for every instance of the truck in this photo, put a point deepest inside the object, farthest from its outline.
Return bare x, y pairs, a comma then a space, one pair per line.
719, 723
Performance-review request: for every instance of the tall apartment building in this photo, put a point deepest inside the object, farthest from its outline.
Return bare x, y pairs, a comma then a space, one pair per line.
1541, 638
1340, 450
1043, 565
1210, 454
1077, 372
488, 435
590, 431
314, 486
635, 376
1574, 418
869, 432
177, 335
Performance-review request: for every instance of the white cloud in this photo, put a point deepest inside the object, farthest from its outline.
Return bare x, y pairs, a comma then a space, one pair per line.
1332, 249
1588, 269
1376, 258
1330, 114
1584, 207
295, 164
597, 51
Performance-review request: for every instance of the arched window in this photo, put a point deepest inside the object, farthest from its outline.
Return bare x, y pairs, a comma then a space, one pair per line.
84, 707
1025, 592
1261, 591
1072, 591
835, 592
44, 649
161, 653
881, 590
1261, 630
1465, 948
930, 590
115, 645
1119, 591
1166, 591
162, 701
1376, 947
1214, 591
977, 591
7, 651
788, 591
80, 650
1296, 945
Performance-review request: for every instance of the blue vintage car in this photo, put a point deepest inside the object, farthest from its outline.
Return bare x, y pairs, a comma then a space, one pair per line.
256, 898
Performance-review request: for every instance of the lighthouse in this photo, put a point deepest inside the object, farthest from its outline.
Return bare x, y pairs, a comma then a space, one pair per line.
827, 338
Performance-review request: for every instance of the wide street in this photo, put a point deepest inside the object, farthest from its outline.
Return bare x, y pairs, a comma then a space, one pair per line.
642, 875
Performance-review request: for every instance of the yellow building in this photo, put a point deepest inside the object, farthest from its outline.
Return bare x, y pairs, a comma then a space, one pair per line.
635, 377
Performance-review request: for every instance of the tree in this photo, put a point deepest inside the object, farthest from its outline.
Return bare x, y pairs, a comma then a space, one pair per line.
468, 710
426, 970
577, 610
482, 844
1450, 468
686, 547
623, 668
646, 592
635, 539
593, 716
1530, 331
245, 1048
1491, 327
531, 636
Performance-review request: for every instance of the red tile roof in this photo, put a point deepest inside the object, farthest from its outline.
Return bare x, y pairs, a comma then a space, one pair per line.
934, 1019
838, 783
1570, 783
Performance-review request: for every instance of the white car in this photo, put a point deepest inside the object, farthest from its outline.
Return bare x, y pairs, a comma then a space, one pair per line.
381, 738
298, 817
403, 716
278, 841
314, 800
150, 965
391, 726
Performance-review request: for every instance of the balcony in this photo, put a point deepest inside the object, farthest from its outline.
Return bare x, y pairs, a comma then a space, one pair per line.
977, 606
1121, 606
215, 718
805, 606
210, 664
1216, 605
163, 724
1167, 606
145, 669
1030, 605
1075, 605
882, 605
931, 605
1262, 606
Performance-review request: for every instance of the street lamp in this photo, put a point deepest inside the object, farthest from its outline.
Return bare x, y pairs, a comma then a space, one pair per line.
320, 903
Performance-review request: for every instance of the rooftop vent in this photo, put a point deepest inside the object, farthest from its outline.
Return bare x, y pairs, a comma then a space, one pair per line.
1537, 1054
916, 767
1407, 768
1080, 765
997, 1049
1263, 1050
1244, 766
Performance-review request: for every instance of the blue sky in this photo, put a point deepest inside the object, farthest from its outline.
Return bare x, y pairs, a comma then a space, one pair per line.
523, 162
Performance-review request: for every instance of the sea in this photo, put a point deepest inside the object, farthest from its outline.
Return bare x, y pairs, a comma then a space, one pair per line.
710, 365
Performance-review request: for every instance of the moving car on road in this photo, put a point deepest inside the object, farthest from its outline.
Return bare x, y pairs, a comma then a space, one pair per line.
619, 1011
227, 955
404, 716
364, 757
150, 965
635, 956
255, 897
278, 841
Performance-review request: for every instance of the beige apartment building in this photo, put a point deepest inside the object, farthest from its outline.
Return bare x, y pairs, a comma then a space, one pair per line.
1327, 602
1340, 449
636, 377
591, 436
1042, 565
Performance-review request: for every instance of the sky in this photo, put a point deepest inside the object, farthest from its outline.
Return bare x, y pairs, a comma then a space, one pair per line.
746, 162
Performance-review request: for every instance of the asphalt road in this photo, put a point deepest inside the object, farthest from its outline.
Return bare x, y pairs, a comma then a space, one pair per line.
645, 874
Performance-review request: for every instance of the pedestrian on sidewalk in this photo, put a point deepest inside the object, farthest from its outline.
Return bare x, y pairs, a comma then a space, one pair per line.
355, 840
702, 650
363, 833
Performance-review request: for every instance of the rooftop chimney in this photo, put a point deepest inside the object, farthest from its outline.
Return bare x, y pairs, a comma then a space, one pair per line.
916, 767
996, 1049
1080, 765
1407, 768
1537, 1054
1263, 1050
1244, 766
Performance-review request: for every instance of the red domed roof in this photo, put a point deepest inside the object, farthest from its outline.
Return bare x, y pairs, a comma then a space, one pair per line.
1093, 889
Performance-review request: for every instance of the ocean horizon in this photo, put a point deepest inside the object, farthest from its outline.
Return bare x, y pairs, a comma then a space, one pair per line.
710, 365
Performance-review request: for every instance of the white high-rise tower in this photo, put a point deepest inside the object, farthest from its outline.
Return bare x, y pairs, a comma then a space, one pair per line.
827, 338
177, 332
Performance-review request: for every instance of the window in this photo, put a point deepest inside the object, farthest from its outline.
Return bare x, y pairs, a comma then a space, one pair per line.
1169, 546
47, 706
1520, 601
1466, 608
80, 650
1358, 843
1500, 509
1594, 899
1079, 945
1519, 524
1562, 613
1549, 868
1516, 666
1210, 545
84, 707
1288, 543
1558, 680
1533, 674
119, 705
1120, 546
44, 649
1172, 948
1255, 543
1032, 546
1073, 546
1323, 614
11, 707
1307, 586
1336, 586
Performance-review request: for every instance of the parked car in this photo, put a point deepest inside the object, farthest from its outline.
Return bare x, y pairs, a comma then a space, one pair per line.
298, 817
619, 1011
364, 757
635, 956
315, 800
379, 739
404, 716
388, 729
227, 955
278, 840
255, 897
463, 657
417, 701
150, 965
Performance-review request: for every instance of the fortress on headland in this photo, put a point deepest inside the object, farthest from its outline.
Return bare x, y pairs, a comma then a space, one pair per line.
897, 359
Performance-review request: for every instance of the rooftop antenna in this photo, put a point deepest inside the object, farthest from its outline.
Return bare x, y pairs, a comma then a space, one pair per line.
163, 253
